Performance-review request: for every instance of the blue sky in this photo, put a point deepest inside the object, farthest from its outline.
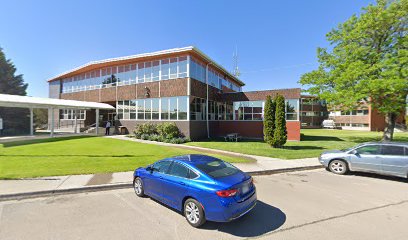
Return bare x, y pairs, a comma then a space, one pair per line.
276, 40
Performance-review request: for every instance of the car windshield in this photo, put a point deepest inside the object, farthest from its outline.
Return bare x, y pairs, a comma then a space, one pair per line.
217, 169
346, 149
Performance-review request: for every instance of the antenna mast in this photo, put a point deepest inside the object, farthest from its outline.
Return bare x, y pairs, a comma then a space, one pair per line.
235, 70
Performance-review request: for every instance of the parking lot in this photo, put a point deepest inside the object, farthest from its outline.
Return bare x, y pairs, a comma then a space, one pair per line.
300, 205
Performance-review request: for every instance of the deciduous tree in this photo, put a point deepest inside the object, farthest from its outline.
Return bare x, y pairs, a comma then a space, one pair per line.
367, 61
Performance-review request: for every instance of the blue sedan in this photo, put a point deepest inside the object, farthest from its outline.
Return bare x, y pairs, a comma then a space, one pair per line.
200, 186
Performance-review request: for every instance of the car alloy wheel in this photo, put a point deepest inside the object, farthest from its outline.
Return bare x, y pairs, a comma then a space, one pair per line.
338, 167
138, 187
194, 212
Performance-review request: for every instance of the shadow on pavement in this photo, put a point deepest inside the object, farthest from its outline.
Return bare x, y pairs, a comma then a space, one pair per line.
262, 219
378, 176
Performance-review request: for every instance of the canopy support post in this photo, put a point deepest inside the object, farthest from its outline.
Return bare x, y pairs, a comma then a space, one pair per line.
31, 122
97, 122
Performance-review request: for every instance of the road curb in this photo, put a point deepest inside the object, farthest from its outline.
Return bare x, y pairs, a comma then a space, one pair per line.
56, 192
283, 170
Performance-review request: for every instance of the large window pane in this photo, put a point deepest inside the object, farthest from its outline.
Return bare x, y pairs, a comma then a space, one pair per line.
182, 66
193, 108
132, 106
148, 71
239, 110
148, 109
164, 108
173, 108
155, 108
140, 72
292, 109
126, 110
155, 71
140, 110
173, 68
182, 107
165, 69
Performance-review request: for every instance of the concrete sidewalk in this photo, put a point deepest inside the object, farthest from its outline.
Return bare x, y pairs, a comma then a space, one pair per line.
45, 186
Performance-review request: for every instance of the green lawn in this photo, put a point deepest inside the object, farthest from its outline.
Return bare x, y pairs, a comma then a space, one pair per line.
82, 155
313, 142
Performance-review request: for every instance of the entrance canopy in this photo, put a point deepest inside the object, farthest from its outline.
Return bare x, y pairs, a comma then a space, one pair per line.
7, 100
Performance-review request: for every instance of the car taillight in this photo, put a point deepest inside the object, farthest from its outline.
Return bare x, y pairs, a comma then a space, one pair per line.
227, 193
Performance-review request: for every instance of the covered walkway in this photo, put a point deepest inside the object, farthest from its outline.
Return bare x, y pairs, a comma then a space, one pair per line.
16, 101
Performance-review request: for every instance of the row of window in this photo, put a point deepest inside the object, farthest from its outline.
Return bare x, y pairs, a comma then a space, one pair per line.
164, 69
311, 114
169, 68
176, 108
312, 101
172, 108
197, 71
363, 112
253, 110
69, 114
216, 110
352, 124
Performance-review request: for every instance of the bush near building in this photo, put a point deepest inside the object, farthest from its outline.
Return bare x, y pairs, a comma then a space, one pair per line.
280, 134
269, 120
275, 133
163, 132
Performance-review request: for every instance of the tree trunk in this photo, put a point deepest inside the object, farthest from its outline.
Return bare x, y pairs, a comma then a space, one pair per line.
390, 119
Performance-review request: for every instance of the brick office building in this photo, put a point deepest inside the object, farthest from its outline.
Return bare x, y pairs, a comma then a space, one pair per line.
364, 117
173, 85
312, 111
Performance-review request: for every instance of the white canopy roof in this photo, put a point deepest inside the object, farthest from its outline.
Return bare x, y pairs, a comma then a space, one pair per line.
7, 100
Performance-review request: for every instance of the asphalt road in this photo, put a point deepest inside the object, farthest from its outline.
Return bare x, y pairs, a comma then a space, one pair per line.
302, 205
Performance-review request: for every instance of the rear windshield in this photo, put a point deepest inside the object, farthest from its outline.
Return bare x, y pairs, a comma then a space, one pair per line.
217, 169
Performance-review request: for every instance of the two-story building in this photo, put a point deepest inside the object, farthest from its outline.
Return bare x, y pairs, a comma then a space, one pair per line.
181, 85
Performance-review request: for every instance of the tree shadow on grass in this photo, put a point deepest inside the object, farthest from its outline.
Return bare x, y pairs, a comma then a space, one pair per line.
77, 155
45, 140
319, 138
303, 148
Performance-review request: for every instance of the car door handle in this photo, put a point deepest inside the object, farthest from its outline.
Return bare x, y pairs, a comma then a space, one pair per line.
182, 183
161, 177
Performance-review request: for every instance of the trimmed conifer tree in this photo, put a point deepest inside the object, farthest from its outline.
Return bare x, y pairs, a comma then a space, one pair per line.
280, 134
269, 120
15, 120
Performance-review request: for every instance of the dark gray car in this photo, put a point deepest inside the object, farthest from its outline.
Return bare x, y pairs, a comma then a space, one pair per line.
387, 158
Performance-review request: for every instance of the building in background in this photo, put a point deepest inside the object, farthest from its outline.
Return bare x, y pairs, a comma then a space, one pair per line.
173, 85
363, 117
312, 112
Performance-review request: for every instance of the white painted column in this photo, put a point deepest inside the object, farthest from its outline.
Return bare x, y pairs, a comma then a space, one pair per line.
75, 122
97, 122
31, 122
52, 122
206, 109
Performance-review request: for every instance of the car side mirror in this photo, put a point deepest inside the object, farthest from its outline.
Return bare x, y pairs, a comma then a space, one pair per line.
354, 152
149, 169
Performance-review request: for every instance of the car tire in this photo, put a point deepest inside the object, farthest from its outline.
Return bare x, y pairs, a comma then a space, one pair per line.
338, 167
194, 212
138, 186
